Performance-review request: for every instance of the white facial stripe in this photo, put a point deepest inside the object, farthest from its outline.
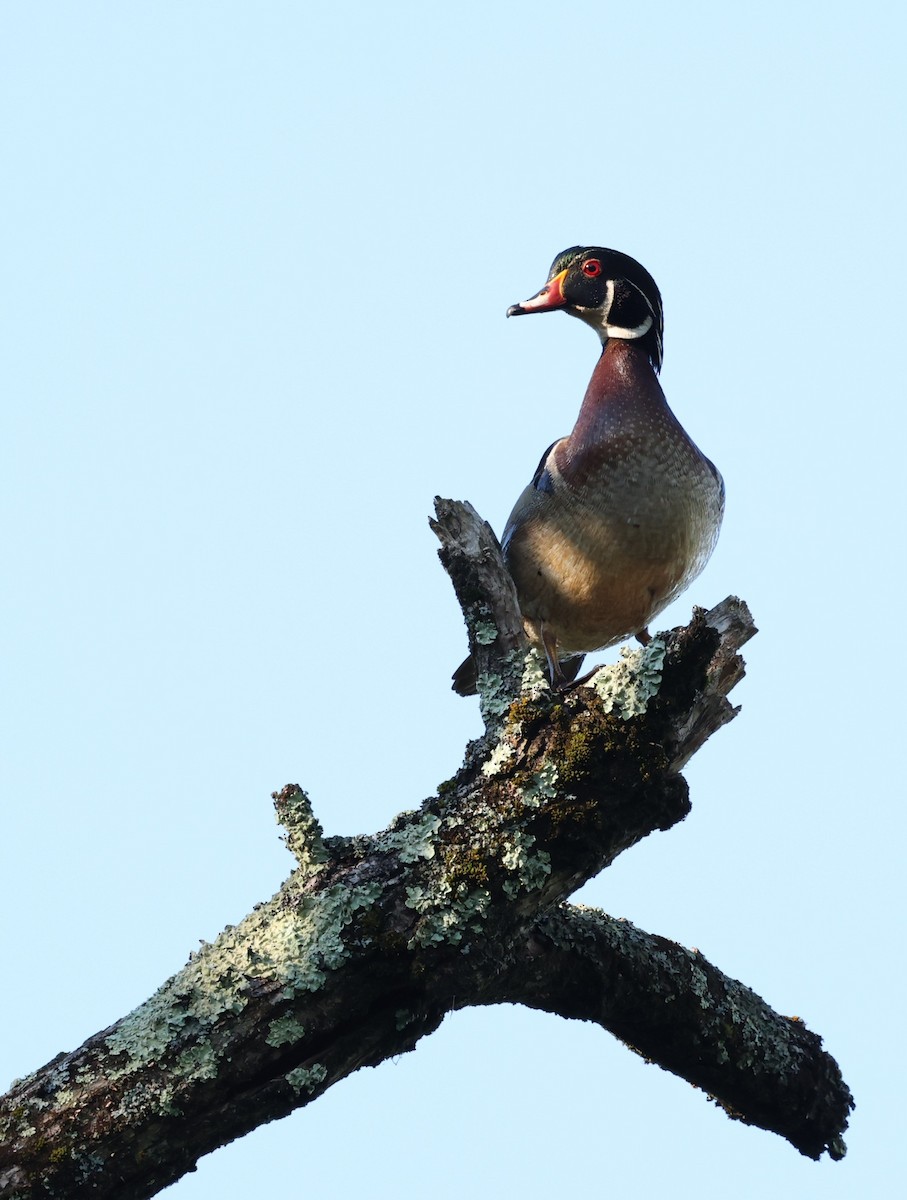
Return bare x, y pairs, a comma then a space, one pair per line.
623, 331
609, 300
598, 317
640, 292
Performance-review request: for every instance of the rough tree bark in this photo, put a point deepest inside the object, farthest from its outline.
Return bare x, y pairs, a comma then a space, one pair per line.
374, 939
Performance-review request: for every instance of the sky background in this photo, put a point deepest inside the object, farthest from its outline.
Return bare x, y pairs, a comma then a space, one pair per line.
255, 264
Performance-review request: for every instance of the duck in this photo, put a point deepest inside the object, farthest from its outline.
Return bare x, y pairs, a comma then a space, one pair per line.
622, 514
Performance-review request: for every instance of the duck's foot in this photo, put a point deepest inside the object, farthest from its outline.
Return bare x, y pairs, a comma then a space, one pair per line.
570, 685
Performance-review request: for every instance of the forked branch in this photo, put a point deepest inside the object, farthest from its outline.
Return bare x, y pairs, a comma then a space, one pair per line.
373, 939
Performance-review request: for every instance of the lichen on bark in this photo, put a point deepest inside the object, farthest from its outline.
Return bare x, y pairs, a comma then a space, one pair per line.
461, 901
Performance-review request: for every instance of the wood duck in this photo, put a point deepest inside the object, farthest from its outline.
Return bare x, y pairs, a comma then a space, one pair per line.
624, 513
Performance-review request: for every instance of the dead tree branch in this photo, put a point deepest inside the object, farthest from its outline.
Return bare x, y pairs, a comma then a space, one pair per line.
676, 1009
373, 939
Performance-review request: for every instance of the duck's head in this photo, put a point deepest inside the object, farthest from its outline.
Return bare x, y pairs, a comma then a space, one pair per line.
609, 291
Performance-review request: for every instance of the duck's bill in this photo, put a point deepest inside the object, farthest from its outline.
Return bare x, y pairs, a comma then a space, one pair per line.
550, 297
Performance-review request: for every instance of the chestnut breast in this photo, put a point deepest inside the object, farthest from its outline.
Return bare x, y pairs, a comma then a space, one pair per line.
621, 516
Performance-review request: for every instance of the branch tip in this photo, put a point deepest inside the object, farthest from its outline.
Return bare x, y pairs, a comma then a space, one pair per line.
762, 1068
471, 555
303, 834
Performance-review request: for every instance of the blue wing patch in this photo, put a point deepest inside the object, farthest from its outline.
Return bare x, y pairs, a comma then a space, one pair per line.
541, 480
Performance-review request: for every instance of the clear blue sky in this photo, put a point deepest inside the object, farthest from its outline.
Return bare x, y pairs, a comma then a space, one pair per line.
256, 259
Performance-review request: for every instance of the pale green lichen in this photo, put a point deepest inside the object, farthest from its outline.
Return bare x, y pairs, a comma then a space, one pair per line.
88, 1165
699, 986
166, 1104
494, 695
837, 1148
299, 951
734, 1013
414, 841
534, 678
284, 1029
531, 870
306, 1079
295, 944
501, 754
303, 834
496, 690
143, 1096
485, 632
542, 786
295, 939
198, 1062
627, 686
447, 914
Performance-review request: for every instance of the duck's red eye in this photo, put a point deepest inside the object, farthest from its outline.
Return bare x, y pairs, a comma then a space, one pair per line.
592, 267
